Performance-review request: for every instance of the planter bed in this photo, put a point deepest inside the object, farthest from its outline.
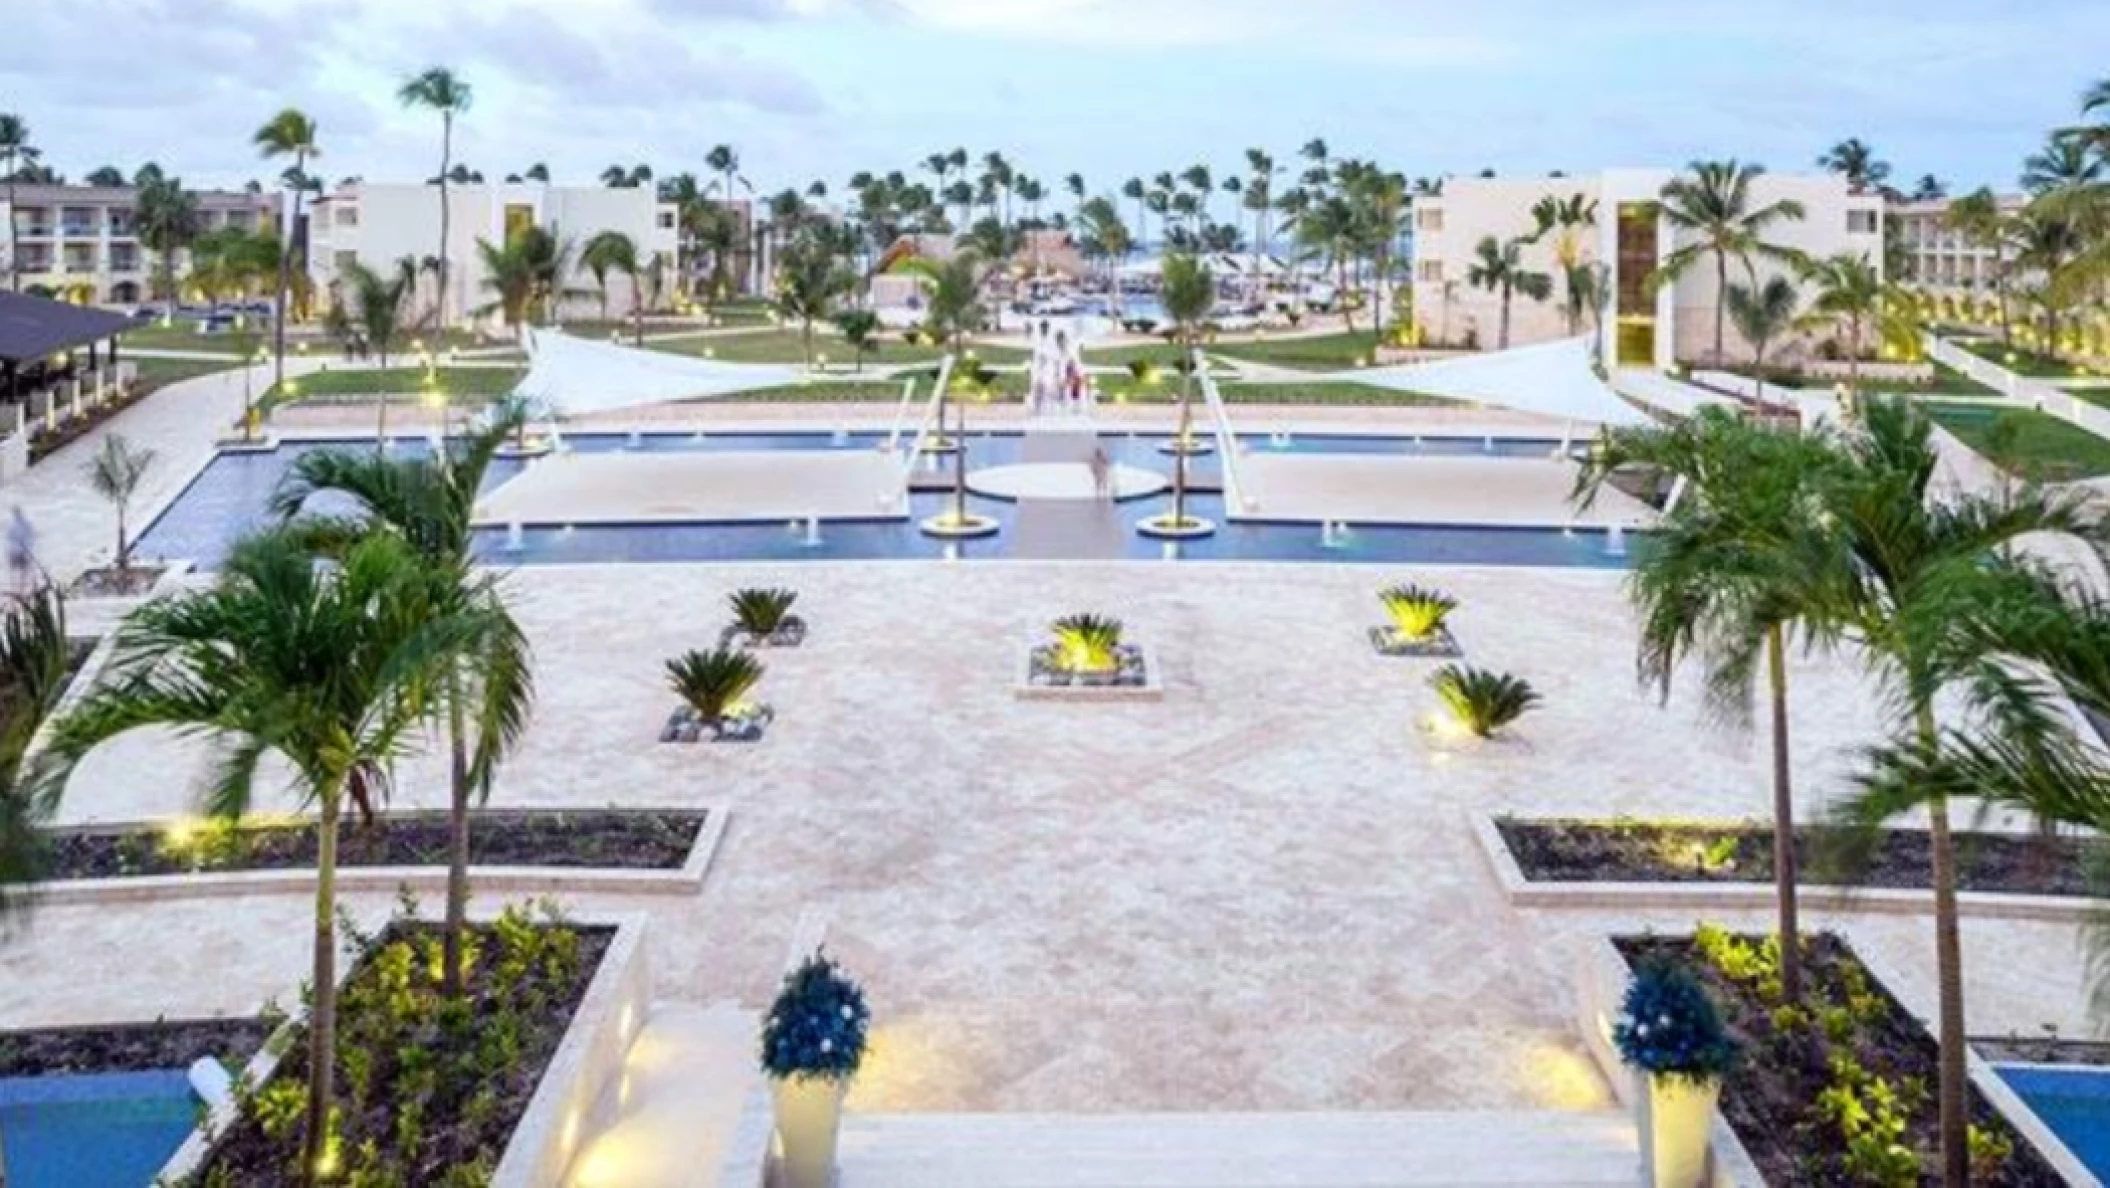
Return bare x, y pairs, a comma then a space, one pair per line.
130, 1047
1440, 644
447, 1114
104, 582
746, 725
1773, 1100
1135, 677
1556, 851
637, 840
790, 634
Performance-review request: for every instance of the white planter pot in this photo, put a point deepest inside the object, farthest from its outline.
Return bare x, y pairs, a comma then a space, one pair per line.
809, 1115
1680, 1123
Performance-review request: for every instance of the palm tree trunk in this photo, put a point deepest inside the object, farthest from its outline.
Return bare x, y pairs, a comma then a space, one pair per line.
446, 162
14, 246
1340, 265
322, 1013
1784, 873
285, 280
1502, 342
451, 973
1948, 961
1721, 304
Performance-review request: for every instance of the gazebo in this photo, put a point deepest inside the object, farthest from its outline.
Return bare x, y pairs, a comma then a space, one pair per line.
57, 361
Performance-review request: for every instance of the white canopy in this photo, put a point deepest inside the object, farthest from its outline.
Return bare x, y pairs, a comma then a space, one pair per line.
1551, 379
573, 376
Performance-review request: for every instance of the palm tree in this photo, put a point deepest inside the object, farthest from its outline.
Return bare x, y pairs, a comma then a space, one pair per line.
1329, 229
430, 503
290, 133
810, 279
1855, 161
538, 172
438, 89
1851, 293
333, 667
33, 661
115, 473
167, 219
1189, 293
724, 161
377, 307
1921, 569
1259, 197
1929, 188
1565, 219
1763, 314
1713, 207
526, 276
1977, 217
1105, 236
2063, 166
1741, 562
16, 151
606, 252
1499, 268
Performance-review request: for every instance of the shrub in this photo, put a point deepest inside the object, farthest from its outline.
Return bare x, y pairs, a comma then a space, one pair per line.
1483, 702
1417, 613
1087, 643
816, 1027
761, 613
711, 682
1667, 1026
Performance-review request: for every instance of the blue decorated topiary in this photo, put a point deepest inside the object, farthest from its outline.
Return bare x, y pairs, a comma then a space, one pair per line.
1668, 1026
816, 1027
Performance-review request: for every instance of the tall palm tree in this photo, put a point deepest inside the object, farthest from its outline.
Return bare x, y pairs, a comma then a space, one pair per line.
1499, 268
1978, 217
810, 279
606, 252
430, 503
16, 151
1742, 562
2063, 166
1189, 293
1922, 570
1565, 220
1329, 230
377, 307
1713, 208
440, 90
1851, 295
332, 667
167, 219
1762, 314
526, 276
290, 133
1854, 160
1258, 196
724, 160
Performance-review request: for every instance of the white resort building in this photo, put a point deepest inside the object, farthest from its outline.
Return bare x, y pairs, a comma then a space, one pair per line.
1938, 259
81, 243
1642, 328
378, 225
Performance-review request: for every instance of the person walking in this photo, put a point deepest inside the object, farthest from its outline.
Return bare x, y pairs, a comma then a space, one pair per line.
21, 552
1102, 473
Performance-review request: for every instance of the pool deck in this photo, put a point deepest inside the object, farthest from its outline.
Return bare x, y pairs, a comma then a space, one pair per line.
1365, 489
639, 488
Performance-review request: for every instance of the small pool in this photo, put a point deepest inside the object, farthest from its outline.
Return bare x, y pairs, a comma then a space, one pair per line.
100, 1130
231, 497
2074, 1102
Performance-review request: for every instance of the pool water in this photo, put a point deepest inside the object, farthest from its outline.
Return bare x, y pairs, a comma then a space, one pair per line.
231, 497
102, 1130
2074, 1102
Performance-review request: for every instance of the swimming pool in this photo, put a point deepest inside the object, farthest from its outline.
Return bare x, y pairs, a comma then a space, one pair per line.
100, 1130
2074, 1102
230, 497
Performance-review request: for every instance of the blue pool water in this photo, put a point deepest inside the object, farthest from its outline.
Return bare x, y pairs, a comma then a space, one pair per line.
2074, 1102
231, 497
102, 1130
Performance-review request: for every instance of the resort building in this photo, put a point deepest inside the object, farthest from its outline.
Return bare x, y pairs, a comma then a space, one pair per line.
81, 243
1643, 325
1938, 259
378, 225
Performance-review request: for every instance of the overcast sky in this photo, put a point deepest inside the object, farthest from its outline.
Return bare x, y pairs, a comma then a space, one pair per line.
822, 88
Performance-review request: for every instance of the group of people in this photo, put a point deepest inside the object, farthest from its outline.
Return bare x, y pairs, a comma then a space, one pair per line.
1056, 381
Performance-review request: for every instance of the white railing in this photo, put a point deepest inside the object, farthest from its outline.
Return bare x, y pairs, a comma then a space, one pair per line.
931, 411
908, 398
1973, 367
2022, 390
1226, 439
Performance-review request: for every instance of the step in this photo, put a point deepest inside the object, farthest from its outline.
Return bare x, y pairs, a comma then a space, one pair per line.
1307, 1150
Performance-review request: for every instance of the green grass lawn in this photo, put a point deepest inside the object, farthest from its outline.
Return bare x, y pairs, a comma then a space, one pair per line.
1327, 352
182, 336
160, 372
2025, 442
462, 385
2026, 362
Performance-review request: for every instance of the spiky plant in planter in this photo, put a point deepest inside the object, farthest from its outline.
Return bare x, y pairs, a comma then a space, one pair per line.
1417, 612
1483, 702
764, 616
1087, 643
712, 683
813, 1042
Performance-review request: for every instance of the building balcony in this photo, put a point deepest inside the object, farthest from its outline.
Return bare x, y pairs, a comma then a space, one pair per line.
78, 230
33, 231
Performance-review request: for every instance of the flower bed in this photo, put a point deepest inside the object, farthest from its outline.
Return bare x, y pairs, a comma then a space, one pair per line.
1899, 859
1839, 1090
130, 1047
429, 1091
604, 838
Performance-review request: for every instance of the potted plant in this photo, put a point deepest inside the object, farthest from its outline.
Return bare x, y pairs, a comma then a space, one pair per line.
1669, 1030
812, 1044
1482, 703
763, 617
1087, 645
1418, 615
712, 686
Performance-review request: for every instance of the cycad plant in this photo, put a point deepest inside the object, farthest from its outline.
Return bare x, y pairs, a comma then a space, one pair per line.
1417, 612
1483, 702
1087, 643
712, 683
762, 613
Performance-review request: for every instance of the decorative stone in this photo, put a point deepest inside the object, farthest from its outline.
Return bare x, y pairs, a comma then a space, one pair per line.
1134, 677
744, 726
1440, 645
789, 634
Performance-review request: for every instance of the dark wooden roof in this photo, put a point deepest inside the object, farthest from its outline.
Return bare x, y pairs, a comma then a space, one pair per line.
32, 328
